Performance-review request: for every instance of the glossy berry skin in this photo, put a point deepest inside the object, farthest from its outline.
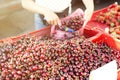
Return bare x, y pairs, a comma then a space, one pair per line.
73, 24
112, 19
43, 58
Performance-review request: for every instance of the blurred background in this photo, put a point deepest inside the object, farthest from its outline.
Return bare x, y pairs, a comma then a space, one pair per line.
14, 20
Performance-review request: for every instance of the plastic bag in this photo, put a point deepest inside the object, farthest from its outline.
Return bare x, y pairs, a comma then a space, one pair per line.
57, 33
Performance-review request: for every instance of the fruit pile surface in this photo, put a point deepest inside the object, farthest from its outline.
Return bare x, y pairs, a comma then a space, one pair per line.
43, 58
112, 19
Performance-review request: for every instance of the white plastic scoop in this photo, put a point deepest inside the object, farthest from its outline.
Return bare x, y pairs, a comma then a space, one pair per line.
107, 72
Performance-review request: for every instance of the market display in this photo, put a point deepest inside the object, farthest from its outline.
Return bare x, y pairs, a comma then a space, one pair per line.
43, 58
64, 54
111, 18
